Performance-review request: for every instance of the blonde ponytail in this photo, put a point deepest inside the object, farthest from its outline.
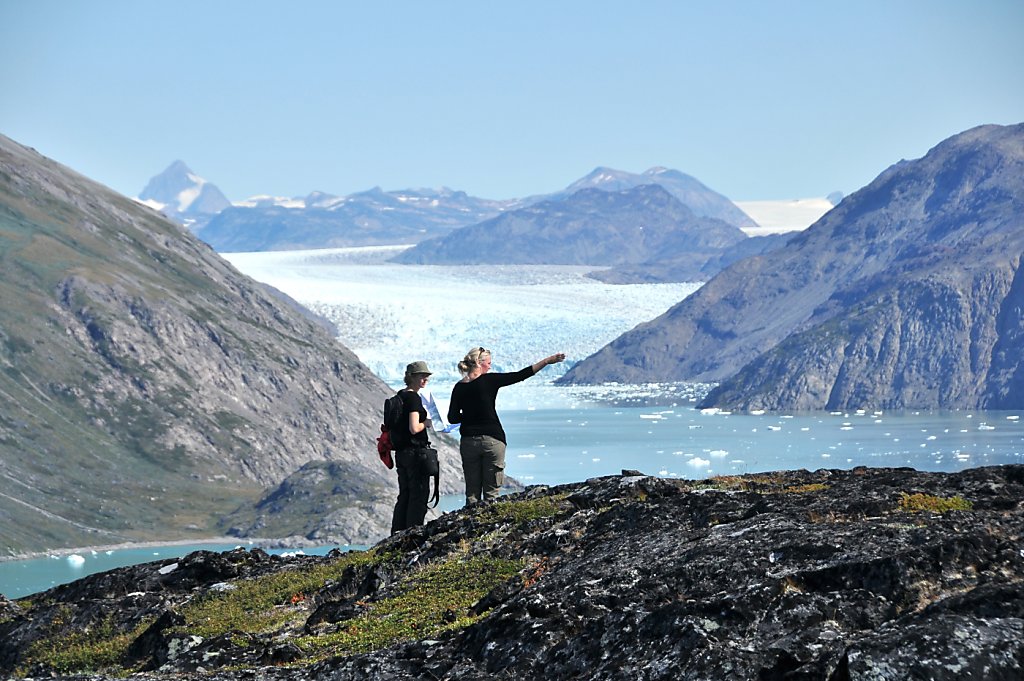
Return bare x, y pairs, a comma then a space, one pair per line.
472, 360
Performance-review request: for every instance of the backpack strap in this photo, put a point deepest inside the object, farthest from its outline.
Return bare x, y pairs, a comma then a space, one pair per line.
437, 492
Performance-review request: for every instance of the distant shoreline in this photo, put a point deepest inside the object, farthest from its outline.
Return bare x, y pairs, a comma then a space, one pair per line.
245, 543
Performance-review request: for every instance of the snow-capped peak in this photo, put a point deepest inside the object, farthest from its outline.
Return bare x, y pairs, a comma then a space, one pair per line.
181, 191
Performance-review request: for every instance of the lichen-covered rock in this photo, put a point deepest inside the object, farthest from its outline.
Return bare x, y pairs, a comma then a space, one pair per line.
840, 575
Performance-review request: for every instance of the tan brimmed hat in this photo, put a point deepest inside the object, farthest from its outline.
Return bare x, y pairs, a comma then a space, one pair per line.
419, 367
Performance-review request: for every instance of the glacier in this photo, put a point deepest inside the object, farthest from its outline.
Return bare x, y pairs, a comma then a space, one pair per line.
391, 314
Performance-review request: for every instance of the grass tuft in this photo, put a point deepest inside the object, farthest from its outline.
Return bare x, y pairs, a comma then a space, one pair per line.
523, 510
100, 647
267, 603
436, 599
916, 503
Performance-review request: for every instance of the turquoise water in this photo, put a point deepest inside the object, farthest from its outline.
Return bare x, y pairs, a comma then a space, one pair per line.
554, 446
24, 577
551, 445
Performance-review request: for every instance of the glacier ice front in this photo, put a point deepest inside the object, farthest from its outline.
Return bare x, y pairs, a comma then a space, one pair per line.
390, 314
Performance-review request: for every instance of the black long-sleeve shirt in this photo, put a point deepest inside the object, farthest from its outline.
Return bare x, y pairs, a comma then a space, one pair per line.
472, 403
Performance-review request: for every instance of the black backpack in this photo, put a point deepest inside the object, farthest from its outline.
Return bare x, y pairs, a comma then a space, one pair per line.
390, 430
393, 418
394, 433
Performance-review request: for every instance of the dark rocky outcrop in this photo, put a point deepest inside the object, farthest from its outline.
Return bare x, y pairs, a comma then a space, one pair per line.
645, 224
906, 295
148, 388
839, 575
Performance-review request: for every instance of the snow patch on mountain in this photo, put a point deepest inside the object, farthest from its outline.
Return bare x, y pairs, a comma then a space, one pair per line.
775, 217
265, 201
186, 197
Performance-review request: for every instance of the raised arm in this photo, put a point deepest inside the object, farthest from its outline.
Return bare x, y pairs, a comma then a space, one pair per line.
552, 359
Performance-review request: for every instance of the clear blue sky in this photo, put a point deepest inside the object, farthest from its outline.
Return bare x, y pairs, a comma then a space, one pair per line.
758, 99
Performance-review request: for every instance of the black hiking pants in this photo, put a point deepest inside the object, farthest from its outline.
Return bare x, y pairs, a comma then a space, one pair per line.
413, 491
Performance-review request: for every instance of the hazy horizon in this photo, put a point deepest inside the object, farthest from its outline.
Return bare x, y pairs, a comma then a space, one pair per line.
758, 101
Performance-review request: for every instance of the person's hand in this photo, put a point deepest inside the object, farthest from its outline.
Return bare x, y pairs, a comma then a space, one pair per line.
556, 358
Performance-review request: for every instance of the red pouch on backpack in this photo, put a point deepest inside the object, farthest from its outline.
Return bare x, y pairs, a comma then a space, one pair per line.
384, 447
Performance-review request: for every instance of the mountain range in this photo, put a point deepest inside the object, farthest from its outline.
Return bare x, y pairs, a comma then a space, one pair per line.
376, 217
907, 295
150, 390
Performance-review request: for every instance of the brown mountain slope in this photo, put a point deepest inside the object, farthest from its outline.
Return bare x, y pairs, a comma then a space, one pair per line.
902, 296
146, 387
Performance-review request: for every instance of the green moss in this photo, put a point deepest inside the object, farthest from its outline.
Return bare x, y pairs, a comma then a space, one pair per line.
434, 600
100, 647
761, 483
262, 604
523, 510
927, 502
725, 483
805, 489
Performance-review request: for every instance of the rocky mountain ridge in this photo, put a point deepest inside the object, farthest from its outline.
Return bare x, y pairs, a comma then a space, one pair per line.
147, 386
378, 217
373, 217
641, 225
691, 192
844, 575
906, 295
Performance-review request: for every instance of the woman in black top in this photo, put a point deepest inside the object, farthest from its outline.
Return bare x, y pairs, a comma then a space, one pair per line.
413, 482
483, 439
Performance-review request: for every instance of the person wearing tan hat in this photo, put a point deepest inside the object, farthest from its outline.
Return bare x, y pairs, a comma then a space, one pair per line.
482, 444
413, 482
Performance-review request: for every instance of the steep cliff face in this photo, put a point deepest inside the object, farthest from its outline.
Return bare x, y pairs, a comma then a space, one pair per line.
927, 342
896, 298
1006, 374
866, 574
146, 384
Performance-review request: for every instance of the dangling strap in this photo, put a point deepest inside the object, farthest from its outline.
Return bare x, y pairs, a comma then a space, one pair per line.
437, 491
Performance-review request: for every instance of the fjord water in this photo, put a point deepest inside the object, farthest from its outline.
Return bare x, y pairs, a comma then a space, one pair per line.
560, 435
24, 577
392, 314
554, 446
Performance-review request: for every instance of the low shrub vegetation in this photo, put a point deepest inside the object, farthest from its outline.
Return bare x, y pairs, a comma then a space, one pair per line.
523, 510
437, 598
97, 648
265, 604
916, 503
